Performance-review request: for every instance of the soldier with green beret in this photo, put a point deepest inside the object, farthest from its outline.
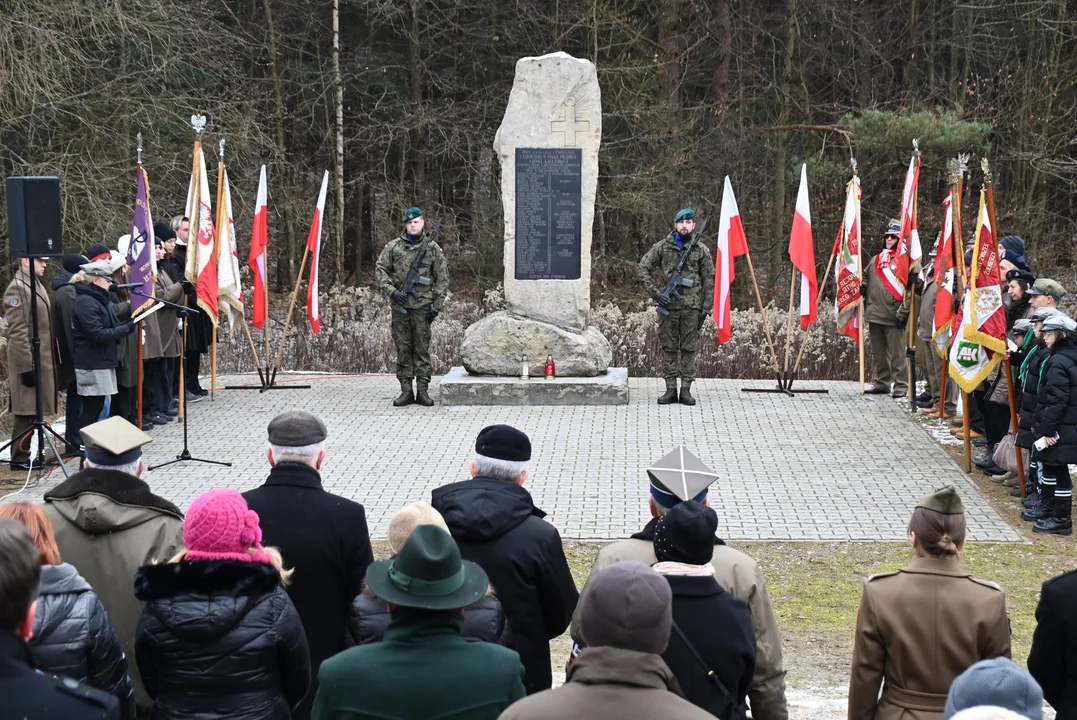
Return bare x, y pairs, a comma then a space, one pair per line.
678, 331
411, 328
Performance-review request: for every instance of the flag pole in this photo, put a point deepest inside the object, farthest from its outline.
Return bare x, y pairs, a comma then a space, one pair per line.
763, 312
957, 180
807, 333
254, 349
946, 355
198, 123
910, 347
860, 277
138, 385
989, 181
217, 262
288, 319
789, 325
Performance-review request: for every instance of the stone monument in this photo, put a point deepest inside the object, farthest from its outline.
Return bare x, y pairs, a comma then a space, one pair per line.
548, 149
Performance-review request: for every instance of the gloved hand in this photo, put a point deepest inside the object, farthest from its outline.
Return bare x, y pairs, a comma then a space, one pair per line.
901, 322
702, 319
957, 303
28, 379
431, 315
662, 300
188, 287
863, 289
130, 326
399, 297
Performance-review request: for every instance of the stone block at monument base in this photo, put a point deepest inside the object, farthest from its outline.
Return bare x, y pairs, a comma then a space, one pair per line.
497, 344
460, 388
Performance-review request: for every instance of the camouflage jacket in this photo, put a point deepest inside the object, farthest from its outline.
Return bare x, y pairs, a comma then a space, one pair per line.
394, 262
662, 259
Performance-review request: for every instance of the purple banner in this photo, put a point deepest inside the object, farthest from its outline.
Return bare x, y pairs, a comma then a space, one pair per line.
140, 253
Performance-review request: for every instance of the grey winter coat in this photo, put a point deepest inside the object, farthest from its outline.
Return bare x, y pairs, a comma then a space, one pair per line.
74, 638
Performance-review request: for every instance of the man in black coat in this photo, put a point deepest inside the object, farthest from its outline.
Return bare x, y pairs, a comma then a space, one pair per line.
1053, 658
29, 694
63, 315
322, 536
199, 326
496, 524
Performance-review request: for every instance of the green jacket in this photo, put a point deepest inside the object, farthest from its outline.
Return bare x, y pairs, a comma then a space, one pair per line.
880, 307
394, 262
662, 258
422, 669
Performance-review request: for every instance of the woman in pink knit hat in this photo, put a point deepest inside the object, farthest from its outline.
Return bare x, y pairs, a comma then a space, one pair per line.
218, 636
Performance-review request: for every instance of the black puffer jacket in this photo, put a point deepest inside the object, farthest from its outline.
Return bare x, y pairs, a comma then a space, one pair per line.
483, 622
97, 329
497, 526
1056, 405
74, 638
1026, 417
219, 640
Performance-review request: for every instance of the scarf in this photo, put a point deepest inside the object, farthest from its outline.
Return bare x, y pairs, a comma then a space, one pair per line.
677, 569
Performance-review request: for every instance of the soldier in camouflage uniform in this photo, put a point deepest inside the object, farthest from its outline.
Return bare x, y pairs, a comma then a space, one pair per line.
678, 332
411, 330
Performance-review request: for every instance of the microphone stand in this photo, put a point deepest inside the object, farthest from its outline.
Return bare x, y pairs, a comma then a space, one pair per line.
185, 454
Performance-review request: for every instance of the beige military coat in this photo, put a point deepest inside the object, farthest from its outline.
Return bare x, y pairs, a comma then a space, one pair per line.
917, 629
19, 360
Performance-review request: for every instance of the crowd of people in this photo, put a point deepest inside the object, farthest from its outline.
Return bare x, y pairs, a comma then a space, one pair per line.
269, 604
89, 348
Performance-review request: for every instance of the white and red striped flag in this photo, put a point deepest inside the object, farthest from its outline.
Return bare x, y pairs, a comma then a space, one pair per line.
732, 243
314, 244
980, 339
259, 250
802, 253
229, 289
847, 271
201, 268
909, 251
945, 277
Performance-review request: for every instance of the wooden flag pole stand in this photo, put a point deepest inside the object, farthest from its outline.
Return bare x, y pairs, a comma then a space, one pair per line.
804, 342
770, 339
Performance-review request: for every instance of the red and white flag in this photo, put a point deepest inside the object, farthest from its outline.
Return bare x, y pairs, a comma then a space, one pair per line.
909, 251
802, 253
945, 277
847, 270
314, 244
259, 250
201, 268
732, 243
229, 289
980, 339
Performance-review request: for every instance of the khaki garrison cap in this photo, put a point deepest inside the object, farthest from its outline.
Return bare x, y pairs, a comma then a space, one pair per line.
679, 476
113, 442
945, 501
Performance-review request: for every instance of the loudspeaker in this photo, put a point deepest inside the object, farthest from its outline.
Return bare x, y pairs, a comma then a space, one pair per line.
33, 217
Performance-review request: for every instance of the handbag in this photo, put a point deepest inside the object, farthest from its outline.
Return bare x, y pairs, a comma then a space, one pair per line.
1004, 454
734, 708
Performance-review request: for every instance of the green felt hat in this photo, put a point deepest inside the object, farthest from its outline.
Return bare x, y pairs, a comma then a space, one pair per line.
411, 213
428, 573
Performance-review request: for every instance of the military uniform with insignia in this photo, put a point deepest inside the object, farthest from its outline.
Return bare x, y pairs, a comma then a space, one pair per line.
678, 328
680, 476
920, 627
411, 328
886, 318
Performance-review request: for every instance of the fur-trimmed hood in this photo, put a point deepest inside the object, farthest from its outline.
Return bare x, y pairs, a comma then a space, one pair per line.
101, 501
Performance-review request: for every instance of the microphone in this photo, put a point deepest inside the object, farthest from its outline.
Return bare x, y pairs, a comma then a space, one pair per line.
124, 286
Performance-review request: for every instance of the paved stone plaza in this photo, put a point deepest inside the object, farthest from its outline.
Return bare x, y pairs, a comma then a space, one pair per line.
813, 467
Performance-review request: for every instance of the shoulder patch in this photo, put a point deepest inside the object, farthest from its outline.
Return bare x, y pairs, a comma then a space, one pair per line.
986, 583
15, 301
876, 576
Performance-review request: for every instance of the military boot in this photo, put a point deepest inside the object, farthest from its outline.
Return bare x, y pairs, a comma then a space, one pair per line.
670, 395
1060, 523
686, 393
406, 397
422, 396
1045, 508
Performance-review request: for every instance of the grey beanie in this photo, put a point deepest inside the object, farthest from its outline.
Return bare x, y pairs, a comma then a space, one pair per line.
999, 682
629, 606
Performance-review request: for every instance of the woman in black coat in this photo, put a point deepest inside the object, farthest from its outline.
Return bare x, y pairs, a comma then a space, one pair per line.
1027, 364
711, 649
1056, 424
72, 635
218, 637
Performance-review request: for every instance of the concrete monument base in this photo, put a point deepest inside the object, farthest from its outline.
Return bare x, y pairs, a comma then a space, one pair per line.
458, 387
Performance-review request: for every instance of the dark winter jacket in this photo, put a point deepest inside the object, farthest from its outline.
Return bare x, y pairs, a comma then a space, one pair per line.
73, 637
199, 327
127, 370
63, 331
1056, 404
1053, 658
97, 329
324, 538
497, 525
483, 622
700, 605
1026, 414
219, 640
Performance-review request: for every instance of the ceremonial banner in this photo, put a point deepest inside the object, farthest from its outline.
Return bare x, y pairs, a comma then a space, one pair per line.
802, 253
847, 272
909, 252
259, 249
731, 243
201, 268
945, 277
314, 244
141, 256
980, 341
229, 290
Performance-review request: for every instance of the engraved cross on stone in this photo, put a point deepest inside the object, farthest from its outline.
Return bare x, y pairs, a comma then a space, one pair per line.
569, 126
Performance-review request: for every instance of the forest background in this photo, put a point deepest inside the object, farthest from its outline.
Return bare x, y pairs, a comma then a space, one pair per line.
400, 100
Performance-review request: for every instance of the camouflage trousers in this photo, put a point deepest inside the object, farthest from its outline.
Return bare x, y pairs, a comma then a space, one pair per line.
678, 335
411, 335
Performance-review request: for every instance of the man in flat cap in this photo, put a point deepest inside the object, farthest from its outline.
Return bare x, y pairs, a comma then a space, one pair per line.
108, 523
680, 319
496, 524
675, 478
413, 312
324, 536
1046, 292
887, 305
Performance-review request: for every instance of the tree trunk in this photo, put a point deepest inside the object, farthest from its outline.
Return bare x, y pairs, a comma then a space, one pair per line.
339, 157
725, 44
285, 270
416, 99
779, 219
669, 62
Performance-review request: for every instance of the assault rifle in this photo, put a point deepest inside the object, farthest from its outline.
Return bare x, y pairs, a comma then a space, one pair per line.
413, 277
672, 290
